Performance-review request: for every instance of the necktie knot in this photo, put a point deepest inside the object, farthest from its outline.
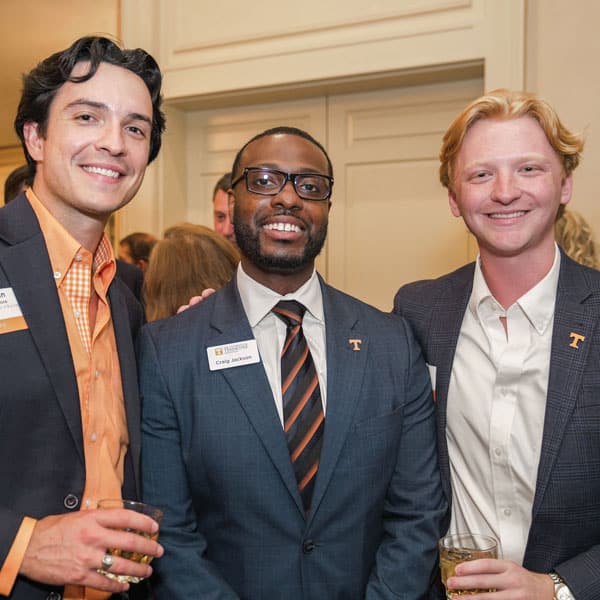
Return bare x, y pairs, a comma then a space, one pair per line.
290, 312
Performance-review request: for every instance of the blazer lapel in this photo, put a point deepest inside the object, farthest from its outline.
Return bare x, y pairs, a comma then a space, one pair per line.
567, 365
127, 363
446, 321
27, 267
345, 370
250, 385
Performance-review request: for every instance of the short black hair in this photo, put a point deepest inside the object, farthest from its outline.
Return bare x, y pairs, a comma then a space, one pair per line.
140, 245
282, 129
41, 83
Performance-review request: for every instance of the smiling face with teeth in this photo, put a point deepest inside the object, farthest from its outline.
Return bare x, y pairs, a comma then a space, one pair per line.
92, 157
280, 236
508, 184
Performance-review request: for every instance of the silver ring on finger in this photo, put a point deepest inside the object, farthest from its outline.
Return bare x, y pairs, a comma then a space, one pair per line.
107, 561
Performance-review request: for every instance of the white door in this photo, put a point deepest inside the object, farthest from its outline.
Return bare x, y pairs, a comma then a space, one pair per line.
390, 223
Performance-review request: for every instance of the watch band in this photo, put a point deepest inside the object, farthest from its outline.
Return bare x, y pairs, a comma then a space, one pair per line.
561, 590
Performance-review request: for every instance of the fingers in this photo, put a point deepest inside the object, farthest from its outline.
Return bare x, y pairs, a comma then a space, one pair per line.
196, 299
481, 565
125, 566
120, 518
68, 549
126, 543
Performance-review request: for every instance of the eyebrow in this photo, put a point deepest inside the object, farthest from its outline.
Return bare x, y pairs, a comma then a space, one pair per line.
274, 167
477, 163
103, 106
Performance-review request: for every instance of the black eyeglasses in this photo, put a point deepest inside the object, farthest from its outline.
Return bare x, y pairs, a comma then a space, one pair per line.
269, 182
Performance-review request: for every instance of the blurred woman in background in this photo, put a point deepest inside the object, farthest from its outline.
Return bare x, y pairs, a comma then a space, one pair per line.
189, 259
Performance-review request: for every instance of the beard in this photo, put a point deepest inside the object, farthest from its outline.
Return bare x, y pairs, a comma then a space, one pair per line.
248, 241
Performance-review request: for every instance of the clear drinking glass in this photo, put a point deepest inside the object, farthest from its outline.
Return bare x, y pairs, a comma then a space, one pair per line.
458, 548
141, 507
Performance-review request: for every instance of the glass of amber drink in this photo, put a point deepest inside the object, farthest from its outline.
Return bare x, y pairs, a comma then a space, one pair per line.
458, 548
141, 507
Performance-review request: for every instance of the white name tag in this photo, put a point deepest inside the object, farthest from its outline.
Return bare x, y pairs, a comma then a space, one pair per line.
9, 307
232, 355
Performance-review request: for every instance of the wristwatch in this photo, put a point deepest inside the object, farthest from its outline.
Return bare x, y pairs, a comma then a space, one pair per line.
561, 591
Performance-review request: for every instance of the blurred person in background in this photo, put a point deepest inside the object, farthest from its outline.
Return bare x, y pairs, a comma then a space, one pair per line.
221, 218
190, 259
17, 181
135, 249
575, 236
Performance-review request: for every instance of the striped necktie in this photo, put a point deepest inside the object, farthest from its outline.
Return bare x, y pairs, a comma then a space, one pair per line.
303, 419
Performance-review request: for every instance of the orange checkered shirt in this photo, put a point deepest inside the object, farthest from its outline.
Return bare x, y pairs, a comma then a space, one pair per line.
82, 281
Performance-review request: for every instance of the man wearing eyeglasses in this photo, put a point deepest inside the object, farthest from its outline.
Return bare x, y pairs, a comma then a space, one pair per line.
288, 428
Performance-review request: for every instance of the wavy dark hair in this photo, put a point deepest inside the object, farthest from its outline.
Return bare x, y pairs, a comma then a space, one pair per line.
41, 83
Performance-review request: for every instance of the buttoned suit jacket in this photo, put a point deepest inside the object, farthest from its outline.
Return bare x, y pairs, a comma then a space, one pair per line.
214, 457
42, 466
565, 531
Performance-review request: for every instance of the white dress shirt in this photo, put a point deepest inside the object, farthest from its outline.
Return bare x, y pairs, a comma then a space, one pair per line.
496, 408
270, 331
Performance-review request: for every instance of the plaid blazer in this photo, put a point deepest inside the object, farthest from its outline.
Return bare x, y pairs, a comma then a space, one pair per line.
565, 530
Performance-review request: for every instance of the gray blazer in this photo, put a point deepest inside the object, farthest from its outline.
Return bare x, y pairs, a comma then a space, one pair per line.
565, 529
214, 457
42, 465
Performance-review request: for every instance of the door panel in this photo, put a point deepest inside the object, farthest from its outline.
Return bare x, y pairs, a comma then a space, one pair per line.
391, 223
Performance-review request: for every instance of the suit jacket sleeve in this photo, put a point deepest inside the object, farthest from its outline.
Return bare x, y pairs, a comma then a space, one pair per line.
415, 507
191, 574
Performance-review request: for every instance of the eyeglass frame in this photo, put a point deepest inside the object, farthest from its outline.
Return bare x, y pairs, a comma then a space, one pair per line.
291, 177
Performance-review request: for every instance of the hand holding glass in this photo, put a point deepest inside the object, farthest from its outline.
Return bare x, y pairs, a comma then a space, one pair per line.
146, 509
455, 549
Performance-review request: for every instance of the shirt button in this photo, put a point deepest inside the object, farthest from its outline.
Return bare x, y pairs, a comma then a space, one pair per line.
78, 257
97, 373
497, 451
507, 512
93, 437
57, 274
77, 314
88, 502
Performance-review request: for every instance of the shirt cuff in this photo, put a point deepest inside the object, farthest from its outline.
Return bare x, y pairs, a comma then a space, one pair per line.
14, 558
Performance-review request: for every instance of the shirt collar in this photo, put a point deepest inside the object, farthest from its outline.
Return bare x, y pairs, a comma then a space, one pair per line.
537, 304
258, 300
63, 248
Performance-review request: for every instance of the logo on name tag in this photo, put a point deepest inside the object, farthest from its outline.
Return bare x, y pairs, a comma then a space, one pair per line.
232, 355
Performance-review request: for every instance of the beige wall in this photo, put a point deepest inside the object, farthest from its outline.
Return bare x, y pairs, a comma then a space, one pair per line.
562, 65
30, 30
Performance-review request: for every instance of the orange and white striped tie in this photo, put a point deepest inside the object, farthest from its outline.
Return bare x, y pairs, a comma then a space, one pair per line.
303, 418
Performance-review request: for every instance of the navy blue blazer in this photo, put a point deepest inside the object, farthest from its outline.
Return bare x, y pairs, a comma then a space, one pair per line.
42, 467
565, 529
214, 457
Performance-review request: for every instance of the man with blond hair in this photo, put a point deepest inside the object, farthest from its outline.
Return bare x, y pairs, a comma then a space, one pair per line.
511, 342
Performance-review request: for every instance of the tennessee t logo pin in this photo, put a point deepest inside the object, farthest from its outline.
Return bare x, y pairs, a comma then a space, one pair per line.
575, 339
355, 344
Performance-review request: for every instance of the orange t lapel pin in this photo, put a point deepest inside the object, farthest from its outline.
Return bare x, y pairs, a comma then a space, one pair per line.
355, 344
576, 338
